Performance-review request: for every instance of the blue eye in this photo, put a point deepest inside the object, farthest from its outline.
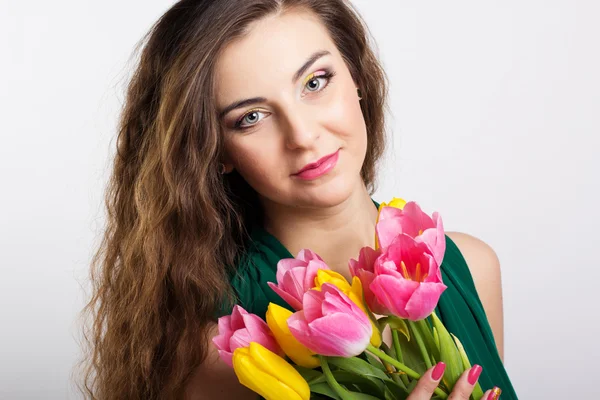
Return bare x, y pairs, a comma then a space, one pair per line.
252, 115
327, 76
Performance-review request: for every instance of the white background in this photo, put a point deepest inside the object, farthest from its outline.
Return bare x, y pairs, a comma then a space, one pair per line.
496, 126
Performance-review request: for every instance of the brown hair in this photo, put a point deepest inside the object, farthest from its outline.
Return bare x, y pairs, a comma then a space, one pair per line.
175, 226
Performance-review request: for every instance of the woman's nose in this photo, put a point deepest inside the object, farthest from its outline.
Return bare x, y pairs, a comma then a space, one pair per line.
301, 129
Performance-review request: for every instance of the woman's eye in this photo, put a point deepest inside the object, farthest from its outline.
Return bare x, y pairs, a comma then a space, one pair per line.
316, 83
252, 118
319, 82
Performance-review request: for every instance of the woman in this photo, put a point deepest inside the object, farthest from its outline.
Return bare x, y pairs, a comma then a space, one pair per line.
232, 102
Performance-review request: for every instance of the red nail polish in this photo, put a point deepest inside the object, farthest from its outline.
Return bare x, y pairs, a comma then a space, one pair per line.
495, 393
474, 374
438, 371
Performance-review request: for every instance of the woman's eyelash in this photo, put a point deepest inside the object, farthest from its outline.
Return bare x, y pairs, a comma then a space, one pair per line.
327, 74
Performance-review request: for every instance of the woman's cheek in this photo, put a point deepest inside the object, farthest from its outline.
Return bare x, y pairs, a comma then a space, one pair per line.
259, 166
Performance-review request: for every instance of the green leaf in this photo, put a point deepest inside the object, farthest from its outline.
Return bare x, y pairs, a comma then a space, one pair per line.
374, 361
427, 334
358, 366
320, 396
477, 391
363, 396
436, 337
397, 392
411, 355
463, 355
324, 389
396, 323
311, 376
448, 354
364, 384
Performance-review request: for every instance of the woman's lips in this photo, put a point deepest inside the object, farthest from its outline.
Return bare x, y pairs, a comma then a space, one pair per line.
324, 167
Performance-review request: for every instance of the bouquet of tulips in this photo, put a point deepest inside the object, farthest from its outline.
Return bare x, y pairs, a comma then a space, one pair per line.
332, 346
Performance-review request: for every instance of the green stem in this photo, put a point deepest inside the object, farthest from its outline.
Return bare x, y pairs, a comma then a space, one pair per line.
398, 351
337, 388
417, 334
390, 368
403, 367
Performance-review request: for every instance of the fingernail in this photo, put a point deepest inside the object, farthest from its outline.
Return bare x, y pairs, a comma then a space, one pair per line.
474, 374
495, 393
438, 371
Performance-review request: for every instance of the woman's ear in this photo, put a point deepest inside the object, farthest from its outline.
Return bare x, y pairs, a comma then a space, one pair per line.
225, 165
226, 168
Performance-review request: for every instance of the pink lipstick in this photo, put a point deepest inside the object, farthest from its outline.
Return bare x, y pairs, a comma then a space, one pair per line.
318, 168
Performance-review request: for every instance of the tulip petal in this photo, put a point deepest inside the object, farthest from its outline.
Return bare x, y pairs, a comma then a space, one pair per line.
286, 264
255, 325
419, 218
387, 230
331, 323
334, 335
277, 317
424, 300
255, 373
435, 238
288, 298
357, 296
259, 332
240, 338
312, 304
237, 322
293, 282
375, 306
280, 369
354, 267
312, 269
341, 335
393, 293
308, 255
334, 304
222, 341
387, 212
332, 277
226, 357
224, 324
432, 268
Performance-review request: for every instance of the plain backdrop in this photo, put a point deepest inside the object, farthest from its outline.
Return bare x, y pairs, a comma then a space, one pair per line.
495, 119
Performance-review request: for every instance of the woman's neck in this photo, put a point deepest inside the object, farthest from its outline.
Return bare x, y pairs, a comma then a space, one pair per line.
335, 233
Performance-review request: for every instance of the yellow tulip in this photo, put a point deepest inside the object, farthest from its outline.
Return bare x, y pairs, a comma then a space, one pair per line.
277, 317
354, 292
396, 202
267, 374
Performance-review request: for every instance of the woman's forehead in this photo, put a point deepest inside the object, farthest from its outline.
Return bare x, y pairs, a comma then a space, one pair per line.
272, 51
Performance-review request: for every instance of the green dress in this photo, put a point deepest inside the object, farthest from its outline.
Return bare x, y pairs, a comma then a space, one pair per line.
459, 308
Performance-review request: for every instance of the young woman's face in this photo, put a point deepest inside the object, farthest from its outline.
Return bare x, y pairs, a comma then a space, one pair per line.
303, 114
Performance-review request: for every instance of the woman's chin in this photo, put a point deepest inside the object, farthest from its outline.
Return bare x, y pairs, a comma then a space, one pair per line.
332, 193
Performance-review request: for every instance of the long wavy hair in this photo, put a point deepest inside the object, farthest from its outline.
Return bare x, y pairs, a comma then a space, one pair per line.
176, 226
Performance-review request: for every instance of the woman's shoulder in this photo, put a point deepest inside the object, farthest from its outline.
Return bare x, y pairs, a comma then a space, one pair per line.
484, 267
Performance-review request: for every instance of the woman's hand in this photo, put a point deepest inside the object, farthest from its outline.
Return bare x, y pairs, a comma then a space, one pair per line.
462, 390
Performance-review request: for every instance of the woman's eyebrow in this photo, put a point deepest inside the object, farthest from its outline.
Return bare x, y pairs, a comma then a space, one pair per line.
311, 60
246, 102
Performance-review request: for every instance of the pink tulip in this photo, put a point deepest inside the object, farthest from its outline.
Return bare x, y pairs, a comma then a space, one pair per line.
412, 221
238, 330
408, 280
297, 275
331, 324
363, 269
